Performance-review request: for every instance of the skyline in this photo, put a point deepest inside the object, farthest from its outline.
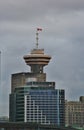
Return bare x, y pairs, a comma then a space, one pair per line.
62, 24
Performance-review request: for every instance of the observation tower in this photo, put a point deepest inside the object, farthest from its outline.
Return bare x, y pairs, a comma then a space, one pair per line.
34, 99
37, 59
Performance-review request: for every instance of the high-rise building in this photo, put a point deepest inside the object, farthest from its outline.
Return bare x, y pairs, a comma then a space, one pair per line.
74, 112
32, 98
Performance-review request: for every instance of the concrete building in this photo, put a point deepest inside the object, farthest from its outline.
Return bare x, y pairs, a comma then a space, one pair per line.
32, 98
74, 112
4, 119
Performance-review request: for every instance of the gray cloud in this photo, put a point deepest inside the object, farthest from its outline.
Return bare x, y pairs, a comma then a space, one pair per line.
28, 9
62, 37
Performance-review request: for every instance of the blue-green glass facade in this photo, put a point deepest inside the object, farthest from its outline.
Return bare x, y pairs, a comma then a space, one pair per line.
38, 102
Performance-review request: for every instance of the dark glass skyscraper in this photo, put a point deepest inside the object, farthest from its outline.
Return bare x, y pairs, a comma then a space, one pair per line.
32, 98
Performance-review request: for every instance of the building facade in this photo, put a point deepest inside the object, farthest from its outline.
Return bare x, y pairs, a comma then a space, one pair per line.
32, 98
38, 102
74, 112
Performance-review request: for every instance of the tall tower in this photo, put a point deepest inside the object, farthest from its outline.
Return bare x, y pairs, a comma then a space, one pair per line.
37, 59
32, 98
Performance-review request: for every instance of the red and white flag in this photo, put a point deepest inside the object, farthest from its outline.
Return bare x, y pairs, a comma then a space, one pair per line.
39, 29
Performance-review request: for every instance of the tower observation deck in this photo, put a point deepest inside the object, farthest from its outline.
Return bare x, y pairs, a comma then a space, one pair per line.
37, 59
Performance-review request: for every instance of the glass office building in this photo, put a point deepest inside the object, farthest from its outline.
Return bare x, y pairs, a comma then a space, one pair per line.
38, 102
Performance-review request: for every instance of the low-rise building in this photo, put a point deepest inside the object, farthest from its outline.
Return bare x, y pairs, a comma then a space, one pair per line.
74, 112
4, 119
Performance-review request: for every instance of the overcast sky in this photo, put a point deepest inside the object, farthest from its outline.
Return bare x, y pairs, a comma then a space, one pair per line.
62, 37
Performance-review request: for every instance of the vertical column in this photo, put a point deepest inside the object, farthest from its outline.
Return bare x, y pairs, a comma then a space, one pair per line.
58, 107
41, 118
45, 120
29, 108
25, 109
37, 114
33, 111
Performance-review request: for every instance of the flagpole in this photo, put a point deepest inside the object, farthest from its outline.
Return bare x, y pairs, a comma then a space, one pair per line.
37, 38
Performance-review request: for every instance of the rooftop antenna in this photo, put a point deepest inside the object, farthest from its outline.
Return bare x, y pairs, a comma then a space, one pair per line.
37, 38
